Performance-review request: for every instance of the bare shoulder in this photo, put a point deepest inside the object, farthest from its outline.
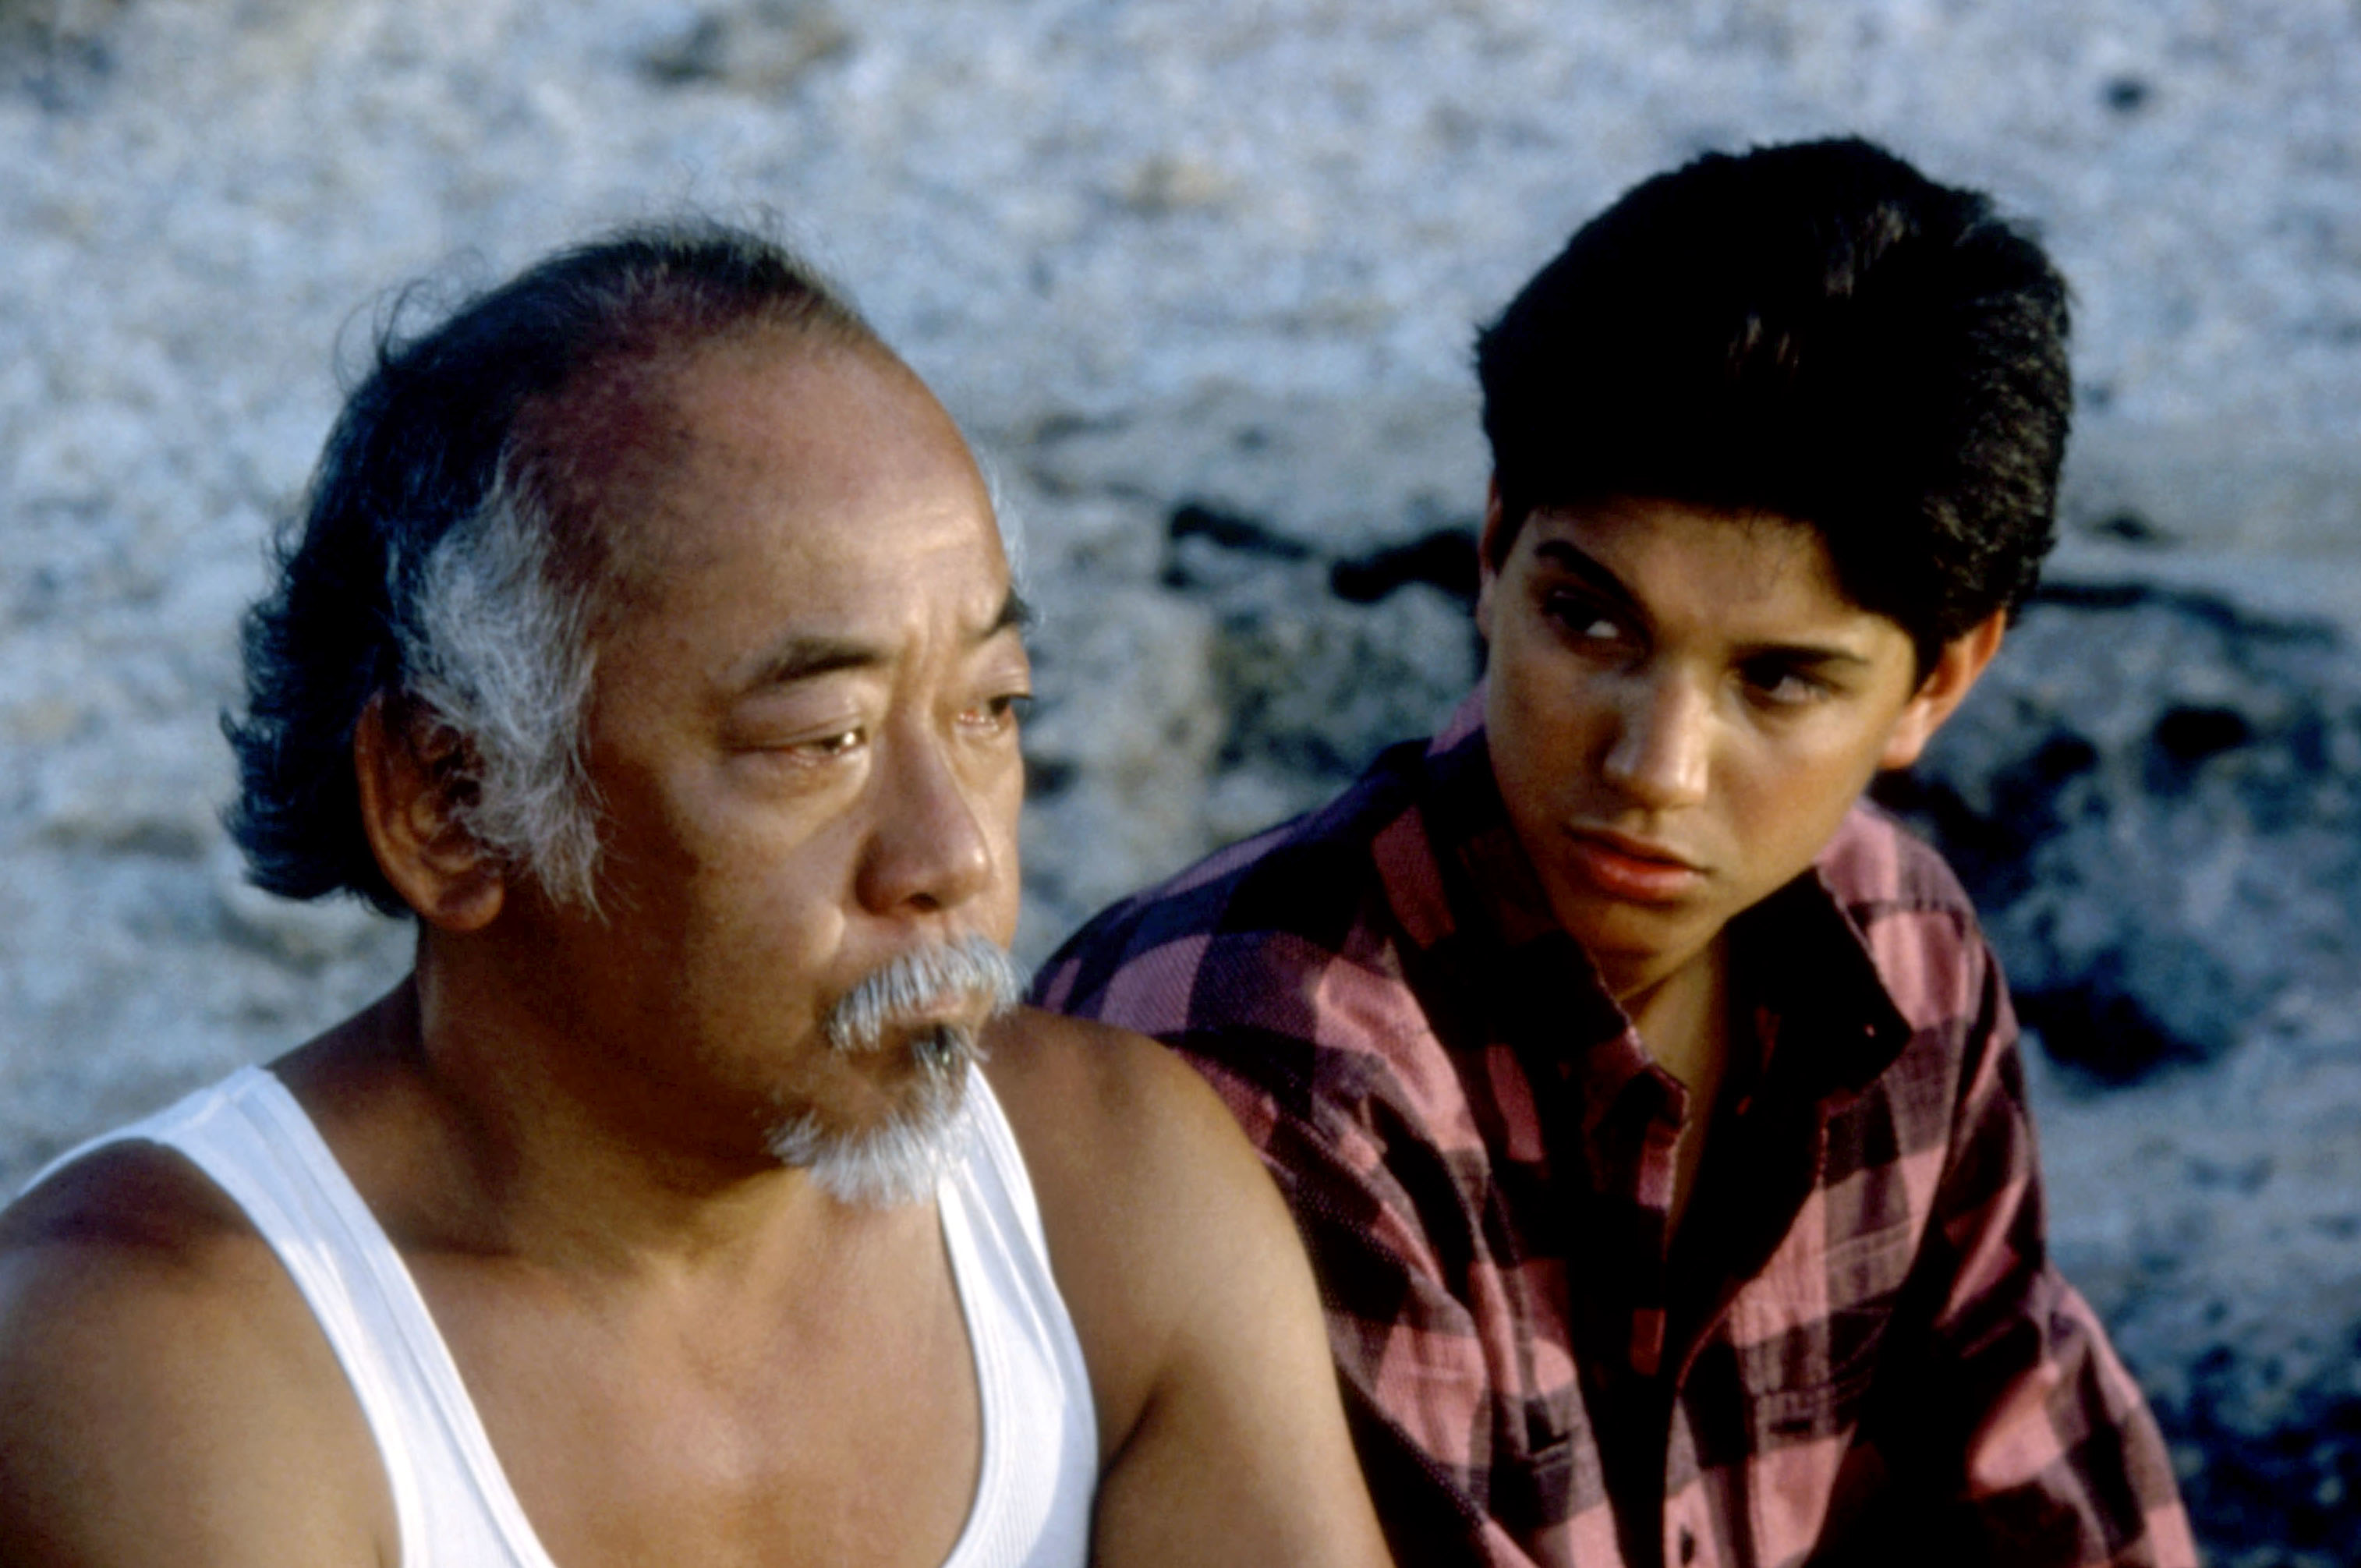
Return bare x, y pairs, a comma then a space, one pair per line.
126, 1246
1125, 1082
1221, 1435
165, 1394
1152, 1200
1108, 1117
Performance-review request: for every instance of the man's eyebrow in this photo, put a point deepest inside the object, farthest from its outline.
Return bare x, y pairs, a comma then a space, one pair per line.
1015, 615
806, 658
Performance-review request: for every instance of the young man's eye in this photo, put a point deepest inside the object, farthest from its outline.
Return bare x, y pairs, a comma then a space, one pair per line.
1585, 620
1782, 685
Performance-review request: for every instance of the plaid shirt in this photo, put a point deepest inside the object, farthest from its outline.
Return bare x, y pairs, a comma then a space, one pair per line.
1853, 1348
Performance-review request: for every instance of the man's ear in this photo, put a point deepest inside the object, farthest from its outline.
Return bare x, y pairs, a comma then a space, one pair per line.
1487, 551
1962, 661
413, 780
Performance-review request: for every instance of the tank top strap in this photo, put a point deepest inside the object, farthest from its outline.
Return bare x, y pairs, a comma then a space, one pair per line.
1039, 1472
453, 1506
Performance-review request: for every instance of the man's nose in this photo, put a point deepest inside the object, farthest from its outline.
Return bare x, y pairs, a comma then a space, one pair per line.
931, 847
1662, 754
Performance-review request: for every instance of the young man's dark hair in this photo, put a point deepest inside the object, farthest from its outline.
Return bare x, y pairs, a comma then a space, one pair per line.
1816, 331
1652, 1106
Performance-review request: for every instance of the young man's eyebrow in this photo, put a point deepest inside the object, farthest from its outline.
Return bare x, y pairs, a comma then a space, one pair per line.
1803, 654
1575, 562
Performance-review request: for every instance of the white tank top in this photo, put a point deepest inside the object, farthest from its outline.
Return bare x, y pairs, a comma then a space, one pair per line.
452, 1502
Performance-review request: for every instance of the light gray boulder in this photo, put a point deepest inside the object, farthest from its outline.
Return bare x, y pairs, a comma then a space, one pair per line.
2156, 799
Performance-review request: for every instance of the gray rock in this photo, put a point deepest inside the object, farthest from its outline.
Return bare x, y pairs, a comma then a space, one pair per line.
1118, 750
2154, 800
1229, 256
2157, 801
1240, 690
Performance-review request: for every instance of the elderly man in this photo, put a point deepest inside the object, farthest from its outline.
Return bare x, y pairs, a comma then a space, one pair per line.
649, 637
1653, 1109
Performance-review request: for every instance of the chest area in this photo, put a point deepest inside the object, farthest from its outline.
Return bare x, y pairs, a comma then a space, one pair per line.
848, 1432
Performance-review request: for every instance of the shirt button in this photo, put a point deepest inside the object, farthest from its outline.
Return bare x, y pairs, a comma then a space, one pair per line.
1688, 1544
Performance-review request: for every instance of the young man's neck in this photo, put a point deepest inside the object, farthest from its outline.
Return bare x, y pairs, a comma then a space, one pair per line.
1683, 1019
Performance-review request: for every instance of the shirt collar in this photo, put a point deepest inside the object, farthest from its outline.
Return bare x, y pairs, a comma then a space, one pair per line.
1799, 959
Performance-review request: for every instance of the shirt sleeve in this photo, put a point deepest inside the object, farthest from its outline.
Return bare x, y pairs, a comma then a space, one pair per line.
2010, 1433
1407, 1352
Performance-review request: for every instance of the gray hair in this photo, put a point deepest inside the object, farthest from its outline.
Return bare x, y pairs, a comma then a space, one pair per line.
495, 651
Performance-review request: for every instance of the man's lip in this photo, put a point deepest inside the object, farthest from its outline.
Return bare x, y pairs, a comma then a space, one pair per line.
1629, 867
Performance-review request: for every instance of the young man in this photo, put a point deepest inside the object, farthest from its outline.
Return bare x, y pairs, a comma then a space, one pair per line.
1652, 1107
649, 636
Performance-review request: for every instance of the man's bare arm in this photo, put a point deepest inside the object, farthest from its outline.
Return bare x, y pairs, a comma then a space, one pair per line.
165, 1396
1223, 1432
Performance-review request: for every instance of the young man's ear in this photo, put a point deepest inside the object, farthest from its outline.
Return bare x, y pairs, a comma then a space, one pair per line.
413, 780
1956, 668
1488, 551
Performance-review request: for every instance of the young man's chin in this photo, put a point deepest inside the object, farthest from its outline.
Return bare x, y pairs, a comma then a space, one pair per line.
1626, 938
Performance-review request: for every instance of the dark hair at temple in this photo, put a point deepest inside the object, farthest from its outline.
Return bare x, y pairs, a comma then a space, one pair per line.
439, 559
1816, 331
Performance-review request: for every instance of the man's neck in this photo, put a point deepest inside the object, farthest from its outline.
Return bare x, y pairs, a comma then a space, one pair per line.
466, 1131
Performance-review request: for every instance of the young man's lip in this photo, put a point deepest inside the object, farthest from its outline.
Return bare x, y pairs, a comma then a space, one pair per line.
1631, 867
1636, 849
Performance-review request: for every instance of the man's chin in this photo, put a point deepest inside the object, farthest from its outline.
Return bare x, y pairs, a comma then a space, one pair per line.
895, 1158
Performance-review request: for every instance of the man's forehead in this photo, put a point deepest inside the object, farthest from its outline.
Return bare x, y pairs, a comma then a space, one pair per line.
771, 429
771, 405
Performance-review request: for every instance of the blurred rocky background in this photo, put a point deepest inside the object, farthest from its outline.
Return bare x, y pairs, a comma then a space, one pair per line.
1200, 278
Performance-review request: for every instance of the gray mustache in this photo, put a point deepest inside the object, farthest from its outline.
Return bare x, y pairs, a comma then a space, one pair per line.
969, 969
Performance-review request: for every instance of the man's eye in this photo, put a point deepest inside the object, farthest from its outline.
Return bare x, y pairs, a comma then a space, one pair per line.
999, 713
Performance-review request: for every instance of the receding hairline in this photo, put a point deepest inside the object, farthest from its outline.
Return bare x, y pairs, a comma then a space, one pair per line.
613, 428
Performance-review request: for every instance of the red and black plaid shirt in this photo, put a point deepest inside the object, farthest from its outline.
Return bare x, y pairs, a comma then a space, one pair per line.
1853, 1349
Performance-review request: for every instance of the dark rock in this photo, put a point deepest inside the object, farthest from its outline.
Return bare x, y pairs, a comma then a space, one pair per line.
1194, 520
2126, 94
1444, 559
2280, 1482
2130, 527
762, 47
60, 51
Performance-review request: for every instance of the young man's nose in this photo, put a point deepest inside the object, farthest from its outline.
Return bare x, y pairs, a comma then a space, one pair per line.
1661, 754
931, 847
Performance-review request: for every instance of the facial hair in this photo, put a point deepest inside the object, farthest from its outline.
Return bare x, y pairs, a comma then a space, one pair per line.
898, 1160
